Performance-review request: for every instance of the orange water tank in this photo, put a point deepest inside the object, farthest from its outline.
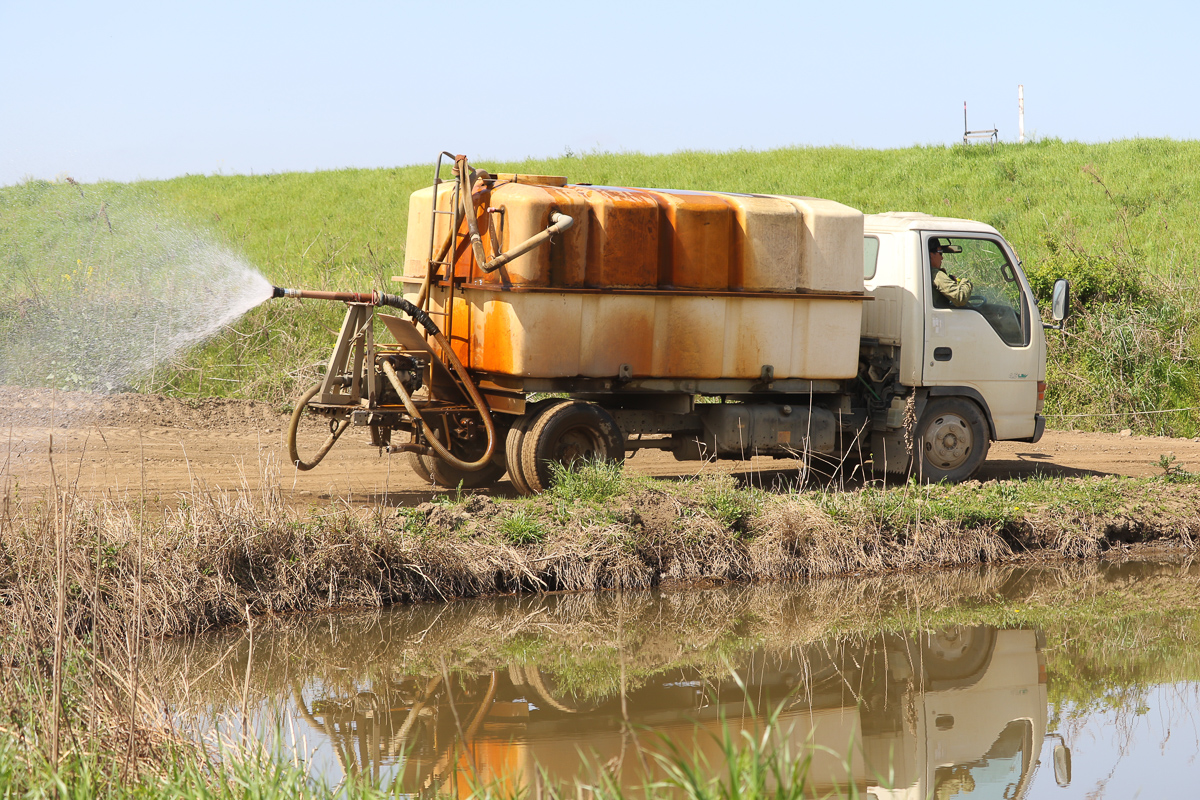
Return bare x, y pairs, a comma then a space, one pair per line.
672, 284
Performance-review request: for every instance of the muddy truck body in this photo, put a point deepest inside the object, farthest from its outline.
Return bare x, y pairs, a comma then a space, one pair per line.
547, 323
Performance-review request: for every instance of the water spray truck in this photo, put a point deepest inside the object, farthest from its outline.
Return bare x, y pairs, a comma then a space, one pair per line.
544, 323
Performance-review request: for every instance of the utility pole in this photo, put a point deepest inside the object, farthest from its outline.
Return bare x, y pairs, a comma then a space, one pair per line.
1021, 113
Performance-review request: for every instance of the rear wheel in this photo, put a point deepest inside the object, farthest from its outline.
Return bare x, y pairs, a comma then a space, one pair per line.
516, 437
566, 434
951, 441
417, 462
451, 477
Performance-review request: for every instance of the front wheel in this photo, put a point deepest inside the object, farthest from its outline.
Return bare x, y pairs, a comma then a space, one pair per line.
957, 653
951, 441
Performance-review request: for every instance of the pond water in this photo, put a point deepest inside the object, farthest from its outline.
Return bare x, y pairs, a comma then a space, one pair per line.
1069, 681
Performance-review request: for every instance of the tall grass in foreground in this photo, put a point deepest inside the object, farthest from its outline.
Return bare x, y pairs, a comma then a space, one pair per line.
761, 762
1116, 218
175, 773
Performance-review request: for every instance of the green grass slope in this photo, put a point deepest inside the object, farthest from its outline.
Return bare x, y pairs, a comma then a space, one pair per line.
1117, 218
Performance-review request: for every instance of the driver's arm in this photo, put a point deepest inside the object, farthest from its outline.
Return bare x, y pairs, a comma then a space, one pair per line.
957, 291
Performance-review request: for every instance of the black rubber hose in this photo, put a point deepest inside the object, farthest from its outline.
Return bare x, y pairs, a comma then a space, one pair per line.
419, 316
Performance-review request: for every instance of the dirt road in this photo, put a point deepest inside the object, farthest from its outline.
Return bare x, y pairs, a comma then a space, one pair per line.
115, 446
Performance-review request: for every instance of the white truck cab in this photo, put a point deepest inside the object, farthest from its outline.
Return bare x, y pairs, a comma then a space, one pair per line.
968, 374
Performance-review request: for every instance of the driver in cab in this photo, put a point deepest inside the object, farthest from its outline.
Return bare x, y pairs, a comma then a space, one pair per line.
949, 290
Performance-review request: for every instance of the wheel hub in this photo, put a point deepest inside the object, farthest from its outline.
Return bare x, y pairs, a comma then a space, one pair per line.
948, 441
577, 444
949, 644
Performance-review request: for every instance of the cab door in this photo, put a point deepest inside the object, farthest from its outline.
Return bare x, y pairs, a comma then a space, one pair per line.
993, 344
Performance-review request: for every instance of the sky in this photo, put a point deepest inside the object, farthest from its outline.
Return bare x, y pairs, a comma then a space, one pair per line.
126, 91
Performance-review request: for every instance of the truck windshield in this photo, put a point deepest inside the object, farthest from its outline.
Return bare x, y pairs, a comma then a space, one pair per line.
995, 291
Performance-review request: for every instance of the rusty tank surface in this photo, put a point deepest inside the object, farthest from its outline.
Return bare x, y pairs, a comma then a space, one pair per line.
645, 283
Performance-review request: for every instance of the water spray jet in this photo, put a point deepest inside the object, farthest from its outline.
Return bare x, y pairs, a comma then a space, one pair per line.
109, 291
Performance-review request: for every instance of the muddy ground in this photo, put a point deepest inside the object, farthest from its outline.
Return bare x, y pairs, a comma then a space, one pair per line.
118, 445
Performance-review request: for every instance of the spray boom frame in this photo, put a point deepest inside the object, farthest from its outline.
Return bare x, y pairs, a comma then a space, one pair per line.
358, 364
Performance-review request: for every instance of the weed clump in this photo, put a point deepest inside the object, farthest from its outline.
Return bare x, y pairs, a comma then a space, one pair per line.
1095, 277
588, 482
522, 527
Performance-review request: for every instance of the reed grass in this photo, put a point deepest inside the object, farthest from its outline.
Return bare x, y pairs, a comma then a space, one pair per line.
220, 555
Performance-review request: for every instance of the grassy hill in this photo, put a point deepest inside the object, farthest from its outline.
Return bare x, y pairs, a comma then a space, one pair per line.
1118, 219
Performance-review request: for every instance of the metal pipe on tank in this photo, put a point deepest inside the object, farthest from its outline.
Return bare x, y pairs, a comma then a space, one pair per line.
465, 177
423, 294
371, 298
558, 223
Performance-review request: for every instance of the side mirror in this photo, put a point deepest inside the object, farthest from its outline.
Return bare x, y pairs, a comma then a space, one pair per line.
1062, 760
1060, 303
1062, 764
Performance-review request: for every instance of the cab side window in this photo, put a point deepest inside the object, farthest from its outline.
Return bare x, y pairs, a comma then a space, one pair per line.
870, 256
995, 292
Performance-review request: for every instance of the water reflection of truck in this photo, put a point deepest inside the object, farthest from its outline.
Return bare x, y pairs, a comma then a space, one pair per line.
957, 713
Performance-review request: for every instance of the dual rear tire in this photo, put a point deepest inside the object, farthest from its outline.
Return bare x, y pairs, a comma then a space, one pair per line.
563, 432
432, 469
557, 430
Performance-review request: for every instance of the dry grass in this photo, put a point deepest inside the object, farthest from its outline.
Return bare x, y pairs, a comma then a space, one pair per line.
72, 691
220, 556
